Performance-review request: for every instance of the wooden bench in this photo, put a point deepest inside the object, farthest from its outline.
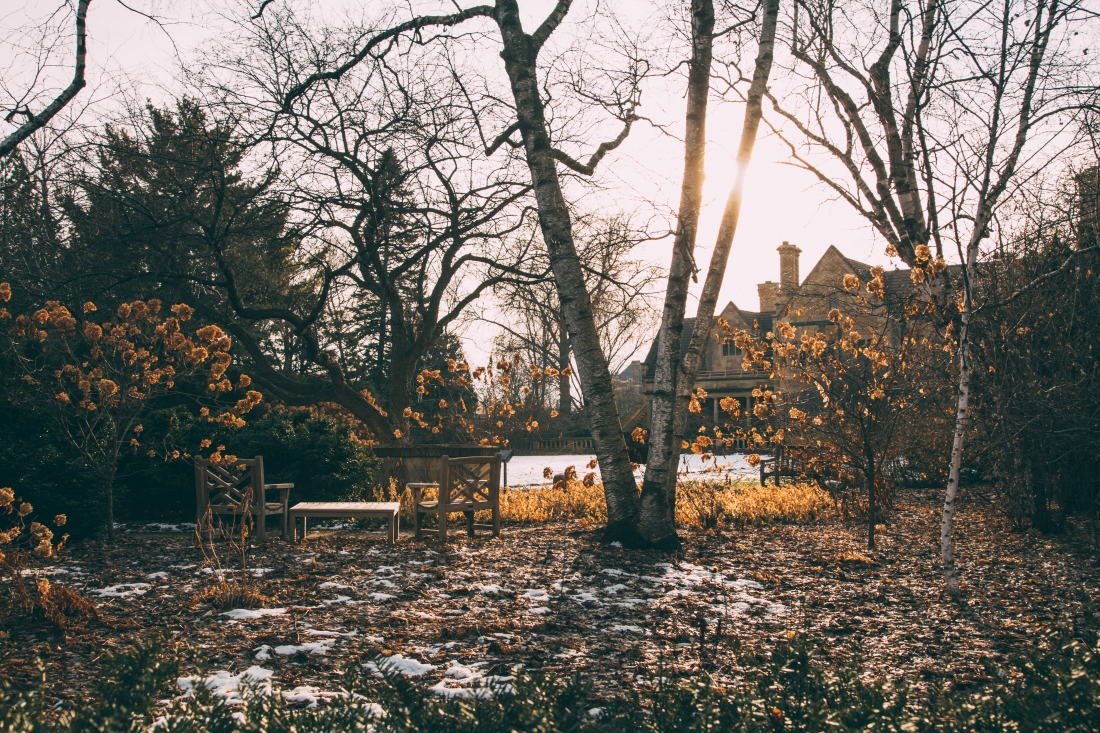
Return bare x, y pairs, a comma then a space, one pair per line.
387, 510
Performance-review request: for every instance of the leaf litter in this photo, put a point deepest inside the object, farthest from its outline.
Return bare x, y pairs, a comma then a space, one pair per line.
551, 597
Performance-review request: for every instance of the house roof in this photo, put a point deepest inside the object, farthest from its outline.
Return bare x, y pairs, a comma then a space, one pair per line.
762, 320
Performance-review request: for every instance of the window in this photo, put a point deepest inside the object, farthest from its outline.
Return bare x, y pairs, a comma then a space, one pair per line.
728, 349
833, 301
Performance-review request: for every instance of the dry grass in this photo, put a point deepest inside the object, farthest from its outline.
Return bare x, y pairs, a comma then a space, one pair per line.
229, 588
705, 504
854, 558
701, 504
573, 500
225, 595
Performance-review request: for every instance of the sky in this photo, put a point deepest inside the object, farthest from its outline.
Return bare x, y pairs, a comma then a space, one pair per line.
128, 51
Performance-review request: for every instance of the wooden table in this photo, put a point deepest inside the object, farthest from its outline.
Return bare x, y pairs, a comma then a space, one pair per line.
387, 510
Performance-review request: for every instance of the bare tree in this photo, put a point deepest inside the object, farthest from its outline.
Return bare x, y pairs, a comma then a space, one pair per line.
403, 224
622, 290
20, 105
674, 378
520, 52
962, 103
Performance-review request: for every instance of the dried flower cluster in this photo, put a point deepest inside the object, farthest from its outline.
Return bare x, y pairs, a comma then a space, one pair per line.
38, 538
848, 385
97, 375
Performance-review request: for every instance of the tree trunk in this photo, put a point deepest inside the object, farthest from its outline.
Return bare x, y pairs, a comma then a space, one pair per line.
962, 416
109, 495
565, 390
655, 523
620, 490
871, 468
871, 518
659, 511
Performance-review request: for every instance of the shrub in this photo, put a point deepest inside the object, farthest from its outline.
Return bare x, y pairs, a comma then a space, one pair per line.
792, 688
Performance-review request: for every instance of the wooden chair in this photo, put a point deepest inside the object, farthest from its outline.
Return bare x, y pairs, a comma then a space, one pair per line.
223, 490
465, 485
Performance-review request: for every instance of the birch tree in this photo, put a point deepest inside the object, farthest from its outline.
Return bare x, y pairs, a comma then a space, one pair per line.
674, 378
961, 103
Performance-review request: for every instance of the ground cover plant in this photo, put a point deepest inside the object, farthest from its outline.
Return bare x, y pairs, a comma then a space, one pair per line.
548, 602
791, 688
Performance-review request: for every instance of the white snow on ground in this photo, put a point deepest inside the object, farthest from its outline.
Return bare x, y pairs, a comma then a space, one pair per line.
156, 527
123, 590
470, 681
156, 576
324, 646
226, 686
52, 570
382, 582
381, 596
527, 470
311, 695
249, 614
181, 527
400, 664
535, 594
333, 584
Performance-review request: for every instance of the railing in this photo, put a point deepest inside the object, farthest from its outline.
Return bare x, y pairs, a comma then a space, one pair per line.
588, 445
558, 445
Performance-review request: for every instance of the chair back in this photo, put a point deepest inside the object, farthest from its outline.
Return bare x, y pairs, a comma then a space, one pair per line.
224, 489
472, 479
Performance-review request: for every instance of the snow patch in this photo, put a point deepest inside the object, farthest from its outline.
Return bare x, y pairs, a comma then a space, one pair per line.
250, 614
226, 686
401, 665
311, 696
535, 594
123, 590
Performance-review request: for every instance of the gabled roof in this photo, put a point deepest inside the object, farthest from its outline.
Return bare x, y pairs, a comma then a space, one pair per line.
685, 342
733, 314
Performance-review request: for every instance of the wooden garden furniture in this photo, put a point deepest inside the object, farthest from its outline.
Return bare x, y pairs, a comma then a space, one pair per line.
387, 510
465, 485
223, 490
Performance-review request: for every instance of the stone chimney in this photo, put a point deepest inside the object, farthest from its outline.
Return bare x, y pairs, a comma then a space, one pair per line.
788, 266
769, 294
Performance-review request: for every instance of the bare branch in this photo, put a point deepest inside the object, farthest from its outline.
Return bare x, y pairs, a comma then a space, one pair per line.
37, 121
415, 24
543, 32
604, 148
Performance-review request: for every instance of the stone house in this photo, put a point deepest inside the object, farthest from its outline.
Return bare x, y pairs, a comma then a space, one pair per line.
805, 304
